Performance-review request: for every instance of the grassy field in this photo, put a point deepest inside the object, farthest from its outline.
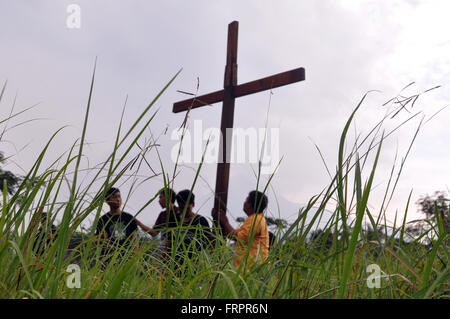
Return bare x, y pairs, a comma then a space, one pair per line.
332, 265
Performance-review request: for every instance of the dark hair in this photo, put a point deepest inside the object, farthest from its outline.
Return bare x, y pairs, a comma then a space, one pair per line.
257, 200
182, 198
111, 192
171, 192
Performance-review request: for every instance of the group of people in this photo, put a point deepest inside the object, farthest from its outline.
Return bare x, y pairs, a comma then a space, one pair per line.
184, 232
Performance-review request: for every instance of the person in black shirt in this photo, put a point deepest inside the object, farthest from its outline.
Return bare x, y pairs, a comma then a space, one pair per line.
189, 231
45, 234
118, 228
162, 220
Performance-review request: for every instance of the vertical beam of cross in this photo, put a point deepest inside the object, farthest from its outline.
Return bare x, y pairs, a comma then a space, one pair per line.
226, 125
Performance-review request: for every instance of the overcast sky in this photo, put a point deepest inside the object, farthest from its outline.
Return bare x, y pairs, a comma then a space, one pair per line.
347, 48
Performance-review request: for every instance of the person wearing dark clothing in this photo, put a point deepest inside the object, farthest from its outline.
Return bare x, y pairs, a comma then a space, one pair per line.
194, 233
116, 227
45, 234
187, 232
160, 224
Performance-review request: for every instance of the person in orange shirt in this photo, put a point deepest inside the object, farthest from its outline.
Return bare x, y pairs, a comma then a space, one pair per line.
252, 237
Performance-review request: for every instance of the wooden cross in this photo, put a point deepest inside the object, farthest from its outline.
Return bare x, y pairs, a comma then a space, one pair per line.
231, 91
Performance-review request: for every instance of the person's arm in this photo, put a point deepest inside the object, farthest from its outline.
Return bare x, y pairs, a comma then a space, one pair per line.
227, 229
146, 228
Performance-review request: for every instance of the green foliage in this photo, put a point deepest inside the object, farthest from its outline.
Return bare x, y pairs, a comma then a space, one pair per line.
305, 262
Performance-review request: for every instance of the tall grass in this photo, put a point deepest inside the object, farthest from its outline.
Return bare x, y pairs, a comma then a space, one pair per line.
330, 266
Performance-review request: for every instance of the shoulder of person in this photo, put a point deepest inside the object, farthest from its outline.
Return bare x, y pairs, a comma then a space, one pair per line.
161, 217
104, 217
128, 216
162, 214
202, 220
254, 218
260, 217
102, 222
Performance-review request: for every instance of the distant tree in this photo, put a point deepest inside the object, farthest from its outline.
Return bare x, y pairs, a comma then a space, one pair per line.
438, 203
429, 206
319, 237
371, 234
12, 180
277, 223
240, 219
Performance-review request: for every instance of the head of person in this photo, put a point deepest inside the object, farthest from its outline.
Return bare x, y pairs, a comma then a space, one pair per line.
113, 198
256, 202
46, 222
186, 198
162, 197
45, 219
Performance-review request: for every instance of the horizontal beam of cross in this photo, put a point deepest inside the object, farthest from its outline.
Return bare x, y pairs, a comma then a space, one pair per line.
260, 85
